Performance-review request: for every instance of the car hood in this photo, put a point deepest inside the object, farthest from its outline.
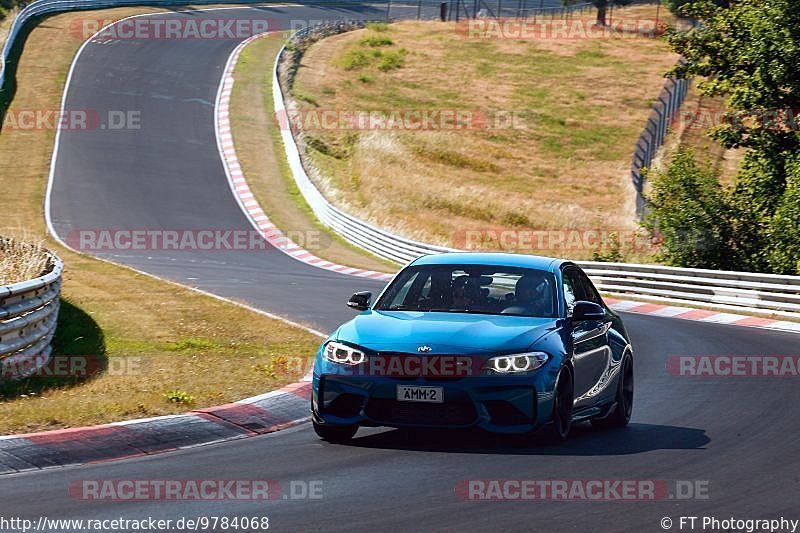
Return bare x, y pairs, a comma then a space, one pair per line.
445, 333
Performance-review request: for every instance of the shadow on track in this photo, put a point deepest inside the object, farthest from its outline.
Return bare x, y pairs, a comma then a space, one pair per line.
584, 441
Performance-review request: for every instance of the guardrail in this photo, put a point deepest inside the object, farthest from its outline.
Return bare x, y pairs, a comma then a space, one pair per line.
28, 310
39, 8
378, 241
28, 315
762, 294
669, 101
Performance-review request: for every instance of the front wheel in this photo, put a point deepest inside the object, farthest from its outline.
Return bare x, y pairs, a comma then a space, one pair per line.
624, 400
335, 434
563, 400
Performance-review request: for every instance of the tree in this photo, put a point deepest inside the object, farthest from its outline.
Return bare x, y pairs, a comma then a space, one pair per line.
784, 256
676, 6
749, 54
688, 209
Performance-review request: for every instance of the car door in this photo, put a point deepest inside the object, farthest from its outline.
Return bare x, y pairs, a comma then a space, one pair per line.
591, 351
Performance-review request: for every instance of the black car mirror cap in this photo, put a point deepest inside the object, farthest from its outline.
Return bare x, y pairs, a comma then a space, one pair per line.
587, 311
360, 301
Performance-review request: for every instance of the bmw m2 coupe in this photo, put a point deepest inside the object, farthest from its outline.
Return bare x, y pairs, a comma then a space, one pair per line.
507, 343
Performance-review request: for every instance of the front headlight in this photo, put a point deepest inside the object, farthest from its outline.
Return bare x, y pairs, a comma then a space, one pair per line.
337, 352
518, 362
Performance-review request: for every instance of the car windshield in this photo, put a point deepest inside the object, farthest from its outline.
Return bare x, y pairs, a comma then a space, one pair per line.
483, 289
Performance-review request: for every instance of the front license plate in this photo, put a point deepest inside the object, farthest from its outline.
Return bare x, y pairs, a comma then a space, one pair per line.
408, 393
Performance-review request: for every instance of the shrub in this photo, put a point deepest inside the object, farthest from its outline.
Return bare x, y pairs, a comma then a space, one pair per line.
784, 255
355, 59
378, 26
610, 251
392, 60
178, 396
688, 209
377, 40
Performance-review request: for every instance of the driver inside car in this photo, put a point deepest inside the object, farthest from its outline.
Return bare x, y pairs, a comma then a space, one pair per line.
532, 296
466, 292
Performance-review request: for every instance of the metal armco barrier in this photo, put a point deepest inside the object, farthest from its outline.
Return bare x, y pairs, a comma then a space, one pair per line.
378, 241
28, 315
28, 310
764, 294
667, 104
46, 7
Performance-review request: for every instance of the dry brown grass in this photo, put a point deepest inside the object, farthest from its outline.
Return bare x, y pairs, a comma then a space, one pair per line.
162, 336
580, 106
690, 130
261, 154
21, 260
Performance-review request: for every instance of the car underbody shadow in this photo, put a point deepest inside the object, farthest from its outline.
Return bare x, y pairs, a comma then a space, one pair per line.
583, 441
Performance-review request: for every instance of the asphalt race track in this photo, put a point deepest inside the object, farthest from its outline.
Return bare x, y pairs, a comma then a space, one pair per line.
737, 436
168, 174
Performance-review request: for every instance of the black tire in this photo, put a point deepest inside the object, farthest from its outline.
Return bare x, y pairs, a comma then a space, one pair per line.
335, 434
563, 401
621, 415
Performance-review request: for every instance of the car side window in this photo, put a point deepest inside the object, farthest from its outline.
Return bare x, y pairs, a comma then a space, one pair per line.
573, 288
589, 291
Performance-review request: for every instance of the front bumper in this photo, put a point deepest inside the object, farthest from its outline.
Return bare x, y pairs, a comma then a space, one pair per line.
498, 404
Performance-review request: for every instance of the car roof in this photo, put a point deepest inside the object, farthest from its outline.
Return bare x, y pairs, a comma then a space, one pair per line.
536, 262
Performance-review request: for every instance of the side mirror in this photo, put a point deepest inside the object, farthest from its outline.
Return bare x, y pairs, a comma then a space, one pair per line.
587, 311
360, 301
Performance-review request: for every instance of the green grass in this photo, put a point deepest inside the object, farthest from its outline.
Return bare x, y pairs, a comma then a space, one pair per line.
378, 26
352, 60
561, 164
391, 60
280, 196
137, 348
377, 40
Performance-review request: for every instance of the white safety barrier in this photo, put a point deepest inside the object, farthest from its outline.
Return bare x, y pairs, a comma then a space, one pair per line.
28, 315
764, 294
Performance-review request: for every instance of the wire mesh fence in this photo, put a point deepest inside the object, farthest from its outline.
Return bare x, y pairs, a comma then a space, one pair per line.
527, 10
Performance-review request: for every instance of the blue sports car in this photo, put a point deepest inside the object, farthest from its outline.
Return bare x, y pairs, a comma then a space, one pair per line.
507, 343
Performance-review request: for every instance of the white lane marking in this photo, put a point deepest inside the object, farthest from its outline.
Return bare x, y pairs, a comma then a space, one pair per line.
257, 217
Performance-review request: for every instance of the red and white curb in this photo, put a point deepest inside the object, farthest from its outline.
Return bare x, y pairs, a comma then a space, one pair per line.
258, 415
275, 237
261, 414
701, 315
244, 195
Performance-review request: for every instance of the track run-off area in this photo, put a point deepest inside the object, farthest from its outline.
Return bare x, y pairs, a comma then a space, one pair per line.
732, 441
